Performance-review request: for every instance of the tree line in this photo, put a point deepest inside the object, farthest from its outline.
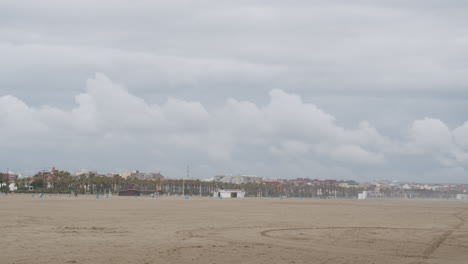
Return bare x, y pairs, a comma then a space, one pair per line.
63, 182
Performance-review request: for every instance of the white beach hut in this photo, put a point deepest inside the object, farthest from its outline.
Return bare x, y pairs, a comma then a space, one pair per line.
233, 193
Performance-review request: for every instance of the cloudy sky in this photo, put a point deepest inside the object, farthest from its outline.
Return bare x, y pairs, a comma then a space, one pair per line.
358, 90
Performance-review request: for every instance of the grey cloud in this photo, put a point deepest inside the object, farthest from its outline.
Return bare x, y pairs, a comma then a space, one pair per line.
374, 70
359, 46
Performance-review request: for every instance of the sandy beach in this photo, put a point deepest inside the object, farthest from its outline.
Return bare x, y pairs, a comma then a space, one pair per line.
59, 229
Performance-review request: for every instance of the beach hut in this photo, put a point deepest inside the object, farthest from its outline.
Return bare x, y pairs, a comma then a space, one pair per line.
232, 193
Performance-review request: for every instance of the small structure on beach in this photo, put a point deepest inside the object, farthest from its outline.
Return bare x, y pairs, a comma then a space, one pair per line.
129, 193
231, 193
369, 195
462, 196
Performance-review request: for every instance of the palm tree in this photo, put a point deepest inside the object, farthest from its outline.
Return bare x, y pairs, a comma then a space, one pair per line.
82, 181
2, 179
16, 181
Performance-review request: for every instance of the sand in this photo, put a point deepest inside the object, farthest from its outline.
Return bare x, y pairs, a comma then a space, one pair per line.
58, 229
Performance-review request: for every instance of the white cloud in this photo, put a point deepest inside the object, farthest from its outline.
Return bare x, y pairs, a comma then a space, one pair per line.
431, 134
109, 120
460, 135
185, 115
434, 138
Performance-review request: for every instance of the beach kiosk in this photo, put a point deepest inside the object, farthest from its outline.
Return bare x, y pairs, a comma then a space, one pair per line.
231, 193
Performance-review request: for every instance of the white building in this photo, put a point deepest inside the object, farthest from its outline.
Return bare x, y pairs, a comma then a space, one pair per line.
369, 195
462, 196
229, 194
12, 187
362, 196
84, 172
125, 174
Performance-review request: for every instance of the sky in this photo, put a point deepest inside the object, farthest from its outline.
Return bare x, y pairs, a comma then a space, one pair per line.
362, 90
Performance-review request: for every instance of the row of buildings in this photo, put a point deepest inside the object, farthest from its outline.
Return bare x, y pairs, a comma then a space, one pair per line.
136, 174
237, 179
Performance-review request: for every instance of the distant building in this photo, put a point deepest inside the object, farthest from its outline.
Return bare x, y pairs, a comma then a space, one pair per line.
142, 175
348, 185
362, 196
11, 187
147, 176
207, 180
237, 178
84, 172
271, 182
125, 174
229, 194
9, 177
369, 195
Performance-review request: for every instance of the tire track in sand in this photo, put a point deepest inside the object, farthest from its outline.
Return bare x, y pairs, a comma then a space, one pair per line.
436, 243
267, 232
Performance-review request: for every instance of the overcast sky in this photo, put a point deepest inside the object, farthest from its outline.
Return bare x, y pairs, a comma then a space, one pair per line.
359, 90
